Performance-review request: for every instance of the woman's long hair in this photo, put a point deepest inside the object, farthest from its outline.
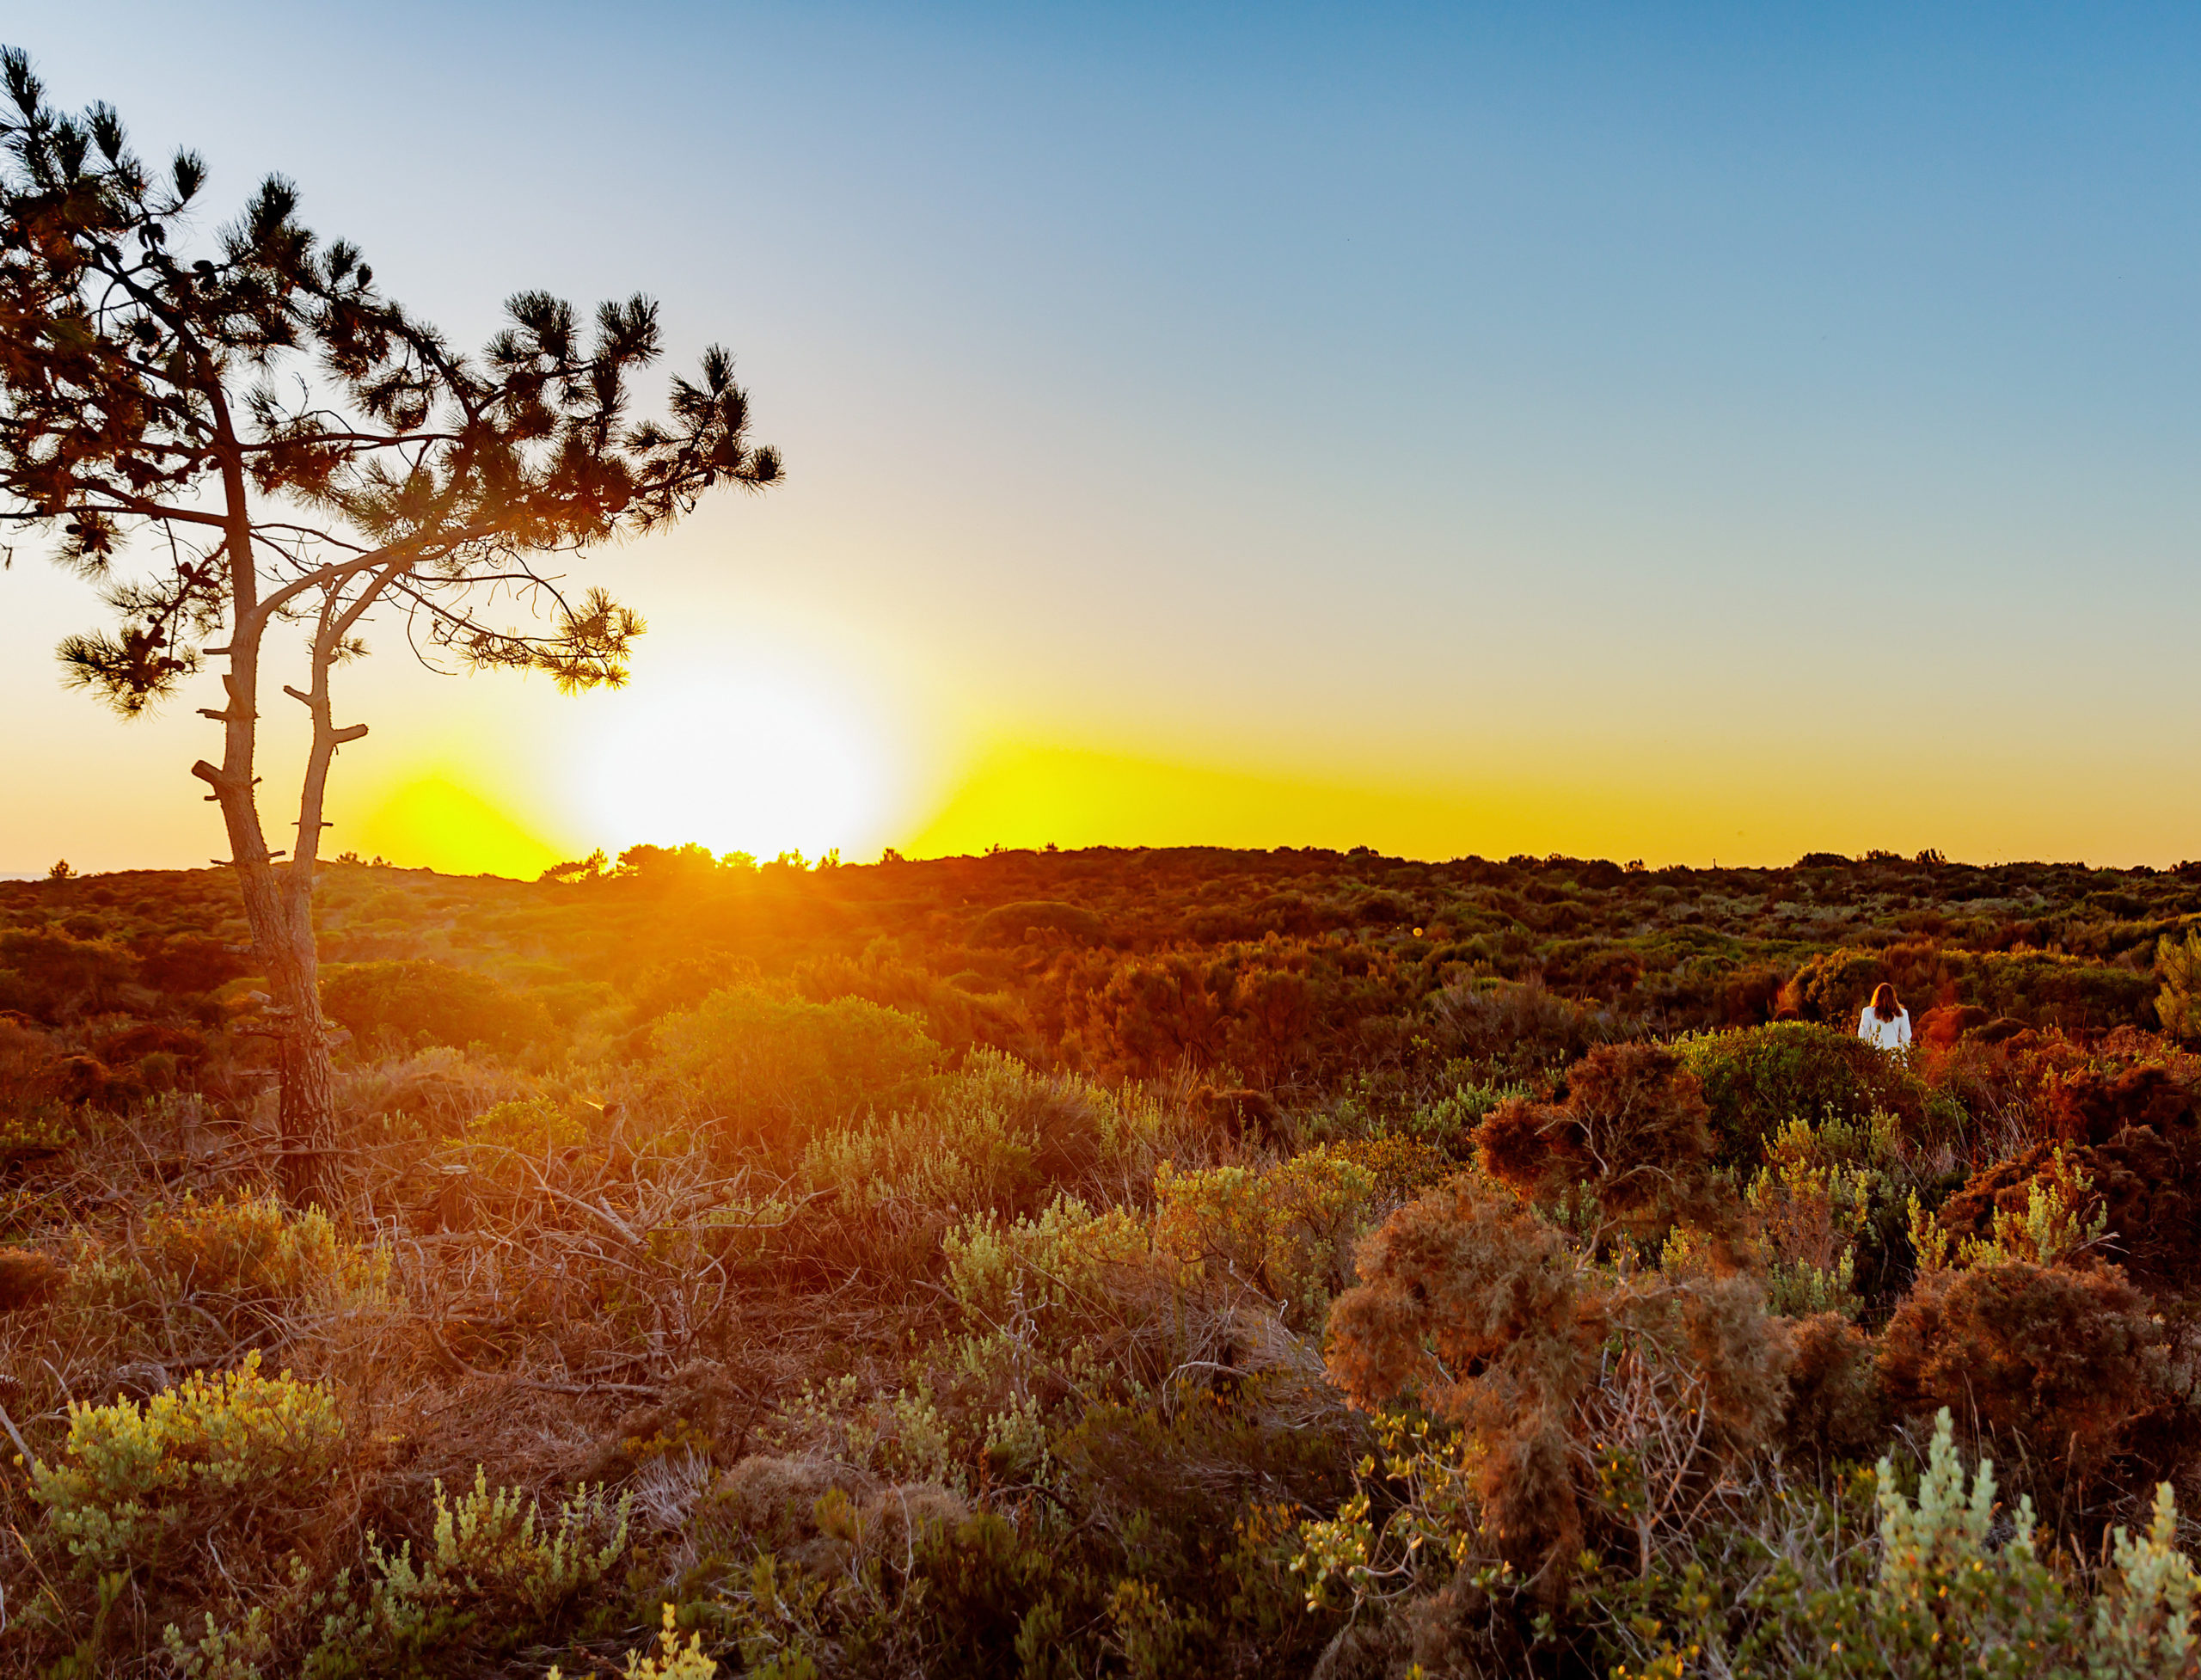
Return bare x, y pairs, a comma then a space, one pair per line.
1884, 1003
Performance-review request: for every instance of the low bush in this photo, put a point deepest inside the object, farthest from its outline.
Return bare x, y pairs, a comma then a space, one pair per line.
777, 1069
149, 1485
1287, 1231
29, 1065
1014, 924
1514, 1028
997, 1138
1830, 1204
2139, 1194
959, 1012
1757, 1080
495, 1572
61, 977
1630, 1142
2067, 1364
1567, 1382
417, 1002
246, 1263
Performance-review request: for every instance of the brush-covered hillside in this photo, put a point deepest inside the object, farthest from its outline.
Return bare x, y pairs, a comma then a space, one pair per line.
1125, 1263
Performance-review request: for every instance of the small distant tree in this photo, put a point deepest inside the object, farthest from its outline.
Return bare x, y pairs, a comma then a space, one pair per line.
257, 440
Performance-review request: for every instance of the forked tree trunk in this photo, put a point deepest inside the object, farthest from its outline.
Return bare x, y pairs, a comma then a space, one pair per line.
278, 904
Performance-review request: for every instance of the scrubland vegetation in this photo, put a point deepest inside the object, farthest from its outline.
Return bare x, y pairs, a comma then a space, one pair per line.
1109, 1263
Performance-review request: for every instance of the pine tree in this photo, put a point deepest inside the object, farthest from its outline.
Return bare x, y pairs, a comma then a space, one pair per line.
258, 441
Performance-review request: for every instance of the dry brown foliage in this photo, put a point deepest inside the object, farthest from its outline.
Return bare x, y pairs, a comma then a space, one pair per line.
1564, 1377
1632, 1133
2146, 1188
2067, 1365
1833, 1410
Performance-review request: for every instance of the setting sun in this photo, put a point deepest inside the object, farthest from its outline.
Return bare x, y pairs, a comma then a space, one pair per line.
754, 760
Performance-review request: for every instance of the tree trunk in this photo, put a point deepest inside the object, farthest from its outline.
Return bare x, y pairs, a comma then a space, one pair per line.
282, 932
278, 908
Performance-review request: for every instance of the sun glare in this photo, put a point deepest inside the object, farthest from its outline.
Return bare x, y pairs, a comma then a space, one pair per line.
750, 760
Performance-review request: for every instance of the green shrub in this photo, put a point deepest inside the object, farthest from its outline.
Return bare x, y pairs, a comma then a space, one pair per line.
496, 1572
1755, 1081
423, 1001
1288, 1231
495, 1575
960, 1011
781, 1068
998, 1137
152, 1485
1066, 1277
2050, 989
1828, 1197
245, 1262
2178, 1005
1448, 1122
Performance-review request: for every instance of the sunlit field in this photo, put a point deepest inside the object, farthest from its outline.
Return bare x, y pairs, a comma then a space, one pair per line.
988, 842
1139, 1262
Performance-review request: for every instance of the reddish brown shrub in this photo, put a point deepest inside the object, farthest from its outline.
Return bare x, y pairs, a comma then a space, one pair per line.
2144, 1184
1943, 1026
2067, 1361
152, 1038
1481, 1311
27, 1278
1833, 1409
1240, 1112
1473, 1304
87, 1080
28, 1060
2093, 1105
1513, 1148
1632, 1130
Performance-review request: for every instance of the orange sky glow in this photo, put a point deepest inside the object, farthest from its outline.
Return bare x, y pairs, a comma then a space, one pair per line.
1451, 433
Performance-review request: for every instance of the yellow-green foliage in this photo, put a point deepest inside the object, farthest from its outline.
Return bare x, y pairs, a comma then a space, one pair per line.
1067, 1274
1070, 1273
137, 1480
530, 1126
249, 1248
1402, 1167
2177, 966
496, 1546
998, 1135
2055, 1225
237, 1260
500, 1145
1431, 1522
495, 1572
1287, 1230
781, 1067
670, 1661
2143, 1624
1823, 1190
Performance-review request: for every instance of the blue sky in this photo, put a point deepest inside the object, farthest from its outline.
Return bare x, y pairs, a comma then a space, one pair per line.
1622, 430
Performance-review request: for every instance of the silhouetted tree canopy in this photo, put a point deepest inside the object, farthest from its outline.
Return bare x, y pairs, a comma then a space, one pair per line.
244, 433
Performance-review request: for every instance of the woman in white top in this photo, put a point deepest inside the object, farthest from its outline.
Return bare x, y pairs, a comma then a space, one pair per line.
1885, 1022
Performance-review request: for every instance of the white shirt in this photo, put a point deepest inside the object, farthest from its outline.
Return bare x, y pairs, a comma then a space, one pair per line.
1887, 1035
